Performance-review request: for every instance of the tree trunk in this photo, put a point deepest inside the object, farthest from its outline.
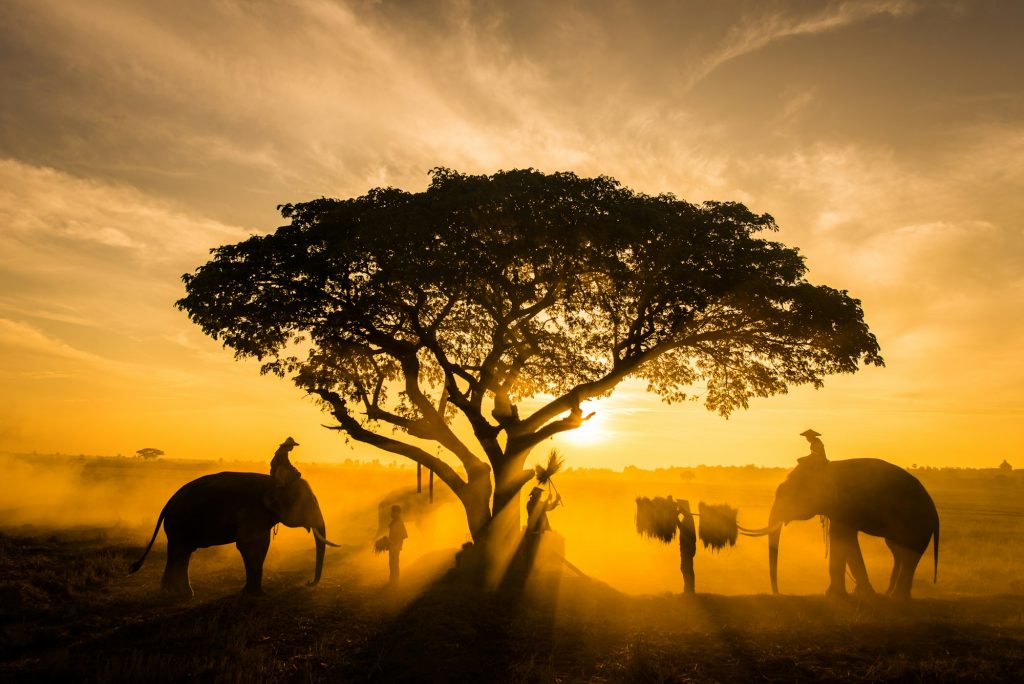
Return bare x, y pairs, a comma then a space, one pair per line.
494, 519
504, 534
476, 500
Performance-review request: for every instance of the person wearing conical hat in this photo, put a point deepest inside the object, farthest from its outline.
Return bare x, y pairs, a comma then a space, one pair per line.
817, 454
281, 468
537, 508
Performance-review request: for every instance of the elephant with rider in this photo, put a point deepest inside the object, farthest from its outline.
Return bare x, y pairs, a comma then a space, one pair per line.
866, 495
239, 508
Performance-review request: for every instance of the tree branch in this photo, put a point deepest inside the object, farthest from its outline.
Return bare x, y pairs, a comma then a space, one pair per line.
587, 390
525, 442
504, 325
485, 432
351, 426
434, 421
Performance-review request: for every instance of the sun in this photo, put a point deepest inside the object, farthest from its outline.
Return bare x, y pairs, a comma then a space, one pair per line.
593, 431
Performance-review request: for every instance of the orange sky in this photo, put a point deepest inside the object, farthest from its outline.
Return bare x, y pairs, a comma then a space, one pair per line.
886, 137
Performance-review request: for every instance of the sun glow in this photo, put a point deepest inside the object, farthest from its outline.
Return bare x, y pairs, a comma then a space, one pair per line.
593, 431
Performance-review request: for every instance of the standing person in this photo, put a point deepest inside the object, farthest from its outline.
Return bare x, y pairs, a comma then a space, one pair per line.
687, 546
396, 535
537, 507
537, 511
817, 454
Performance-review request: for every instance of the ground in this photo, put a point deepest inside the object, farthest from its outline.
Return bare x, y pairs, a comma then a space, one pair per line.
69, 611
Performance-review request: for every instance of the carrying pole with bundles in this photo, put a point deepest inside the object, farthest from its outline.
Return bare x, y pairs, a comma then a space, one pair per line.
663, 518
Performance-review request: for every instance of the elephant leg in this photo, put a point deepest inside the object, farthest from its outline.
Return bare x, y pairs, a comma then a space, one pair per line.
897, 564
908, 566
841, 541
253, 546
857, 568
175, 579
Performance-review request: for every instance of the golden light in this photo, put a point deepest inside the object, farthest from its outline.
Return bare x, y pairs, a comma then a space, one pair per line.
593, 430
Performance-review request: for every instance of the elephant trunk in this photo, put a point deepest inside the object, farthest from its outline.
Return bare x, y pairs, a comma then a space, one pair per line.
321, 548
775, 525
319, 530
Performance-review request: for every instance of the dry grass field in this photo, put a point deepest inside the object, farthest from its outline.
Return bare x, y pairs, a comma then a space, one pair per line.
69, 527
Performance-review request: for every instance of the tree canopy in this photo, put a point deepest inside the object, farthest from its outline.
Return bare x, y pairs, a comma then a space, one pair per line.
400, 310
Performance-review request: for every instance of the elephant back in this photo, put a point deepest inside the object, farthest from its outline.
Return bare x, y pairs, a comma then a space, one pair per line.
208, 507
886, 500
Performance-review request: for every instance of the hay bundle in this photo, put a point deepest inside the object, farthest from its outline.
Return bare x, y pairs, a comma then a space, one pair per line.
546, 472
657, 517
717, 525
381, 545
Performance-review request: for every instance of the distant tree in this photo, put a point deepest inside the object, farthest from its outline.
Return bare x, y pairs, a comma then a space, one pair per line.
148, 453
1005, 466
484, 291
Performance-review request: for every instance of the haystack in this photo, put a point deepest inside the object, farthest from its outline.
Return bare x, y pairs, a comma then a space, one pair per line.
657, 517
546, 472
717, 525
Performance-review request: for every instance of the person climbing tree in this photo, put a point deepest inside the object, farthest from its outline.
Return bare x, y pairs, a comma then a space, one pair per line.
537, 508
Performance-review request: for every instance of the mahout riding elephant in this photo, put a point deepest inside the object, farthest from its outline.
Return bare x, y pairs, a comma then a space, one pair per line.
235, 507
858, 495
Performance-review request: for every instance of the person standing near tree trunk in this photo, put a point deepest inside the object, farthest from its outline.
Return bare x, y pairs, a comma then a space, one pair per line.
396, 536
537, 507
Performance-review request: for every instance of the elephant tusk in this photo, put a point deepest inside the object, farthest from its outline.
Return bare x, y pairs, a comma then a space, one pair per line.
322, 538
761, 532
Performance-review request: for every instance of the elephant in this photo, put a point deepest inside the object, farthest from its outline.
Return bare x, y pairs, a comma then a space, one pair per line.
858, 495
234, 507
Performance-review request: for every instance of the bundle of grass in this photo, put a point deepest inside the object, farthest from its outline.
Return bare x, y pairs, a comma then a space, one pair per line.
546, 472
382, 545
718, 526
657, 517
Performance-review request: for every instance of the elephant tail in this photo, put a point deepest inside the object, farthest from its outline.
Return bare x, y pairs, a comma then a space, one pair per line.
935, 547
134, 567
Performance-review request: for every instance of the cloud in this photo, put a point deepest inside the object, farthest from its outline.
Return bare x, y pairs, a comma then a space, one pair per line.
932, 249
764, 26
40, 206
320, 97
89, 273
134, 137
16, 336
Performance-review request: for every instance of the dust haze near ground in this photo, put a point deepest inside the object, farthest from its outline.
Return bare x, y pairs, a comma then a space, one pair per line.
126, 496
69, 527
982, 514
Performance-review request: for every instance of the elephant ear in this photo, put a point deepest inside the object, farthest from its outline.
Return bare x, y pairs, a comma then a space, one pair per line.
829, 488
815, 477
290, 502
278, 500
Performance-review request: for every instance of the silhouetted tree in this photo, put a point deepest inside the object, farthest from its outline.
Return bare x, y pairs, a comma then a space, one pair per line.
148, 453
484, 291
